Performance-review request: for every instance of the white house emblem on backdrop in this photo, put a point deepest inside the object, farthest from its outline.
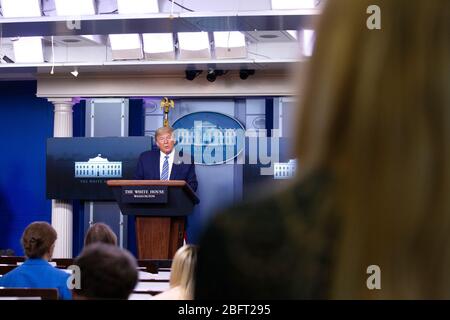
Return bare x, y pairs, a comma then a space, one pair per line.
283, 170
98, 167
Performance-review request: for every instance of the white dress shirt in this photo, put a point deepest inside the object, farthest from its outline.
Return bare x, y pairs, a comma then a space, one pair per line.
162, 158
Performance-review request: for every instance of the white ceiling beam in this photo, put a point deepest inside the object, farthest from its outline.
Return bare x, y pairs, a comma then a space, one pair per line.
122, 85
160, 23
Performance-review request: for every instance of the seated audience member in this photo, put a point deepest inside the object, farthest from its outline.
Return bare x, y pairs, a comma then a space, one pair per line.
368, 216
107, 272
100, 232
182, 275
38, 242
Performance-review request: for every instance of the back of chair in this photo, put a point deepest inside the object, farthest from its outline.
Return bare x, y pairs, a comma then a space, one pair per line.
63, 262
154, 265
43, 294
164, 264
150, 292
148, 265
11, 259
4, 269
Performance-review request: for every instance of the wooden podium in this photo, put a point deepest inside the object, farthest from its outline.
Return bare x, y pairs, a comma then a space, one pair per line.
160, 208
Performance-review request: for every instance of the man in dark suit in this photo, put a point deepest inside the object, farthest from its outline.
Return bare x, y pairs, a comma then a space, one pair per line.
164, 164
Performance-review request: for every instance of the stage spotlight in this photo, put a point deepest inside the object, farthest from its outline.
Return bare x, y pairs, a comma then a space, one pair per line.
244, 74
213, 74
192, 74
7, 59
75, 72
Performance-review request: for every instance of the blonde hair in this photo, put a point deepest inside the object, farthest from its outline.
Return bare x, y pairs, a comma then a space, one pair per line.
163, 130
183, 270
376, 113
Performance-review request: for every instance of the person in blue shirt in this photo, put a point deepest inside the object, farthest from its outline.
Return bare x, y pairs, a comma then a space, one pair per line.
38, 242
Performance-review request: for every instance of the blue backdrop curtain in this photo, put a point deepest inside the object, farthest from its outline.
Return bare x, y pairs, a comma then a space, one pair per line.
25, 124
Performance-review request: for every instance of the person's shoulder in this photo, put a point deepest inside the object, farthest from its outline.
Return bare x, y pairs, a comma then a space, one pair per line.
171, 294
17, 271
58, 273
10, 276
150, 154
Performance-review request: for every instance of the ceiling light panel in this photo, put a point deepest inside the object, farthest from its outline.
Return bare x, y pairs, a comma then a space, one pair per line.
158, 46
308, 42
28, 50
294, 4
226, 39
75, 7
126, 46
230, 45
194, 45
293, 33
21, 8
137, 6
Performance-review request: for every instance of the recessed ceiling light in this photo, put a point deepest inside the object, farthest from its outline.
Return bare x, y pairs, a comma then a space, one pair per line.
294, 4
194, 45
20, 9
158, 46
268, 36
28, 50
308, 42
229, 39
137, 6
126, 46
293, 33
230, 44
71, 40
74, 8
158, 42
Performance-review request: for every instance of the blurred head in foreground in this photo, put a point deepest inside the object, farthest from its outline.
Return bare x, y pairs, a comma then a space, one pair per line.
376, 115
107, 272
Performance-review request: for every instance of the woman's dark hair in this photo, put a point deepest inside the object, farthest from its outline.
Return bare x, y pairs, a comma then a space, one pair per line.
37, 239
100, 232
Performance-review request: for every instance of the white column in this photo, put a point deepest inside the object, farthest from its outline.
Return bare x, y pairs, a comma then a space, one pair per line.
62, 213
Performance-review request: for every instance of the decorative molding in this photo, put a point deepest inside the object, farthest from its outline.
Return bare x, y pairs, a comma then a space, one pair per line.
264, 84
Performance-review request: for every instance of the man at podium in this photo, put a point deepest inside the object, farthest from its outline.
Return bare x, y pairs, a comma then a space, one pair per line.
163, 164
